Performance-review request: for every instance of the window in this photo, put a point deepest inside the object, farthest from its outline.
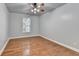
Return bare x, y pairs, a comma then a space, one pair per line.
26, 24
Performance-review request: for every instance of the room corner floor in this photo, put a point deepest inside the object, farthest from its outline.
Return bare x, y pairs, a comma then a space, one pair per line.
36, 46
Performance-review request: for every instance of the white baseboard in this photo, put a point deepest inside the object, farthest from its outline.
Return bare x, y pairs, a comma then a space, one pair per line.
69, 47
23, 36
1, 51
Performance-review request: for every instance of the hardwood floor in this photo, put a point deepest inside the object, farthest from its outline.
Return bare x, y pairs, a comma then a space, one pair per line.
36, 46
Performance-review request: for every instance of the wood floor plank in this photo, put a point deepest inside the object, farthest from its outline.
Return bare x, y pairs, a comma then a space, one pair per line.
36, 46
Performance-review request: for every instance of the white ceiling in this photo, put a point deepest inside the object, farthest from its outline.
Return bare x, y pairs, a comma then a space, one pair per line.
25, 8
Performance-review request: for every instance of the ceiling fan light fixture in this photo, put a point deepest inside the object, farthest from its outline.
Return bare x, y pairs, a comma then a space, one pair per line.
35, 9
38, 10
42, 10
32, 10
35, 5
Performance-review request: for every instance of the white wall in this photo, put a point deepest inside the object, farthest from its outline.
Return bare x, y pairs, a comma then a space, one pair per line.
15, 27
3, 24
62, 25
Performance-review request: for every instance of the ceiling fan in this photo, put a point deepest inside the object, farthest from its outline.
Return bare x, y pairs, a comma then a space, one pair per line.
37, 7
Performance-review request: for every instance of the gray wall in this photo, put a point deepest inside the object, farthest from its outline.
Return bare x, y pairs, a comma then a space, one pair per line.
15, 27
3, 24
62, 25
